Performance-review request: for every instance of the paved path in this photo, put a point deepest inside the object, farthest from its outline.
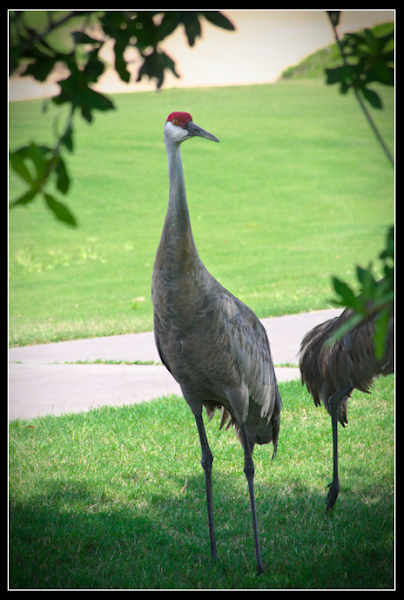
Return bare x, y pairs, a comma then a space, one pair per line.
38, 386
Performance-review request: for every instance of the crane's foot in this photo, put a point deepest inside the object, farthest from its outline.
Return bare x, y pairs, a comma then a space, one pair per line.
332, 495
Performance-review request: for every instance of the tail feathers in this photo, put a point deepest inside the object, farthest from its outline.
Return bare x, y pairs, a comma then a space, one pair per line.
226, 418
348, 363
259, 430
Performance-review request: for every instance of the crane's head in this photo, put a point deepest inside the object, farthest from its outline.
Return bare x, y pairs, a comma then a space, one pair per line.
180, 127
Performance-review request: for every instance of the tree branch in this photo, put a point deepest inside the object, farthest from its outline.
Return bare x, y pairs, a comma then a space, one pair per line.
365, 110
52, 25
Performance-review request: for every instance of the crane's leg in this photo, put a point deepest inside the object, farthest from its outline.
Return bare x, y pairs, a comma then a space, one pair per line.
334, 485
206, 462
249, 473
334, 403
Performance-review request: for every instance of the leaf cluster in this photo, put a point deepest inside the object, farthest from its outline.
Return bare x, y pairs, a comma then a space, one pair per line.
376, 297
35, 165
367, 59
33, 52
145, 31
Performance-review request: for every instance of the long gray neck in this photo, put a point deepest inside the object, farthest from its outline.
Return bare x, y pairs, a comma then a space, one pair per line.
177, 233
177, 205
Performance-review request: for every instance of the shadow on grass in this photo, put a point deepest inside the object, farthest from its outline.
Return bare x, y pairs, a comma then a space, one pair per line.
68, 536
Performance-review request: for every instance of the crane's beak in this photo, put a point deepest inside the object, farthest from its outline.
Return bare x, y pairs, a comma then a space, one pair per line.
194, 130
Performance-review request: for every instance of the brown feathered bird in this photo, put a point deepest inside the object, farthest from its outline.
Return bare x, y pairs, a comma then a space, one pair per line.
212, 343
331, 373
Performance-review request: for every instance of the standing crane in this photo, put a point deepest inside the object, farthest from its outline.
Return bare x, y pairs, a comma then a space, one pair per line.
331, 373
214, 345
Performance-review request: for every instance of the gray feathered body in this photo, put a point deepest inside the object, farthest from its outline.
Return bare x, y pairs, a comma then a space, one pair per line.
212, 343
350, 361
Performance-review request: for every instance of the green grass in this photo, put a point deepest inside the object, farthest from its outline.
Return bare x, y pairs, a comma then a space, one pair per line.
297, 190
115, 498
313, 66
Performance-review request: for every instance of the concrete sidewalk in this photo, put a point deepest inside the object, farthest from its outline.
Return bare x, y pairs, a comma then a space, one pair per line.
38, 386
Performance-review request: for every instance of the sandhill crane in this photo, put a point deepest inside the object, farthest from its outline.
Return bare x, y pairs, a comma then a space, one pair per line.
331, 373
212, 343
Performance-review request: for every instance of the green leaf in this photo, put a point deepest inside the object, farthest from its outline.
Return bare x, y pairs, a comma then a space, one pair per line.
372, 98
168, 24
388, 252
355, 39
344, 87
86, 114
67, 138
371, 40
82, 38
62, 177
384, 73
120, 63
98, 101
154, 66
192, 26
345, 328
385, 39
381, 331
368, 284
337, 75
60, 210
42, 67
38, 156
348, 297
75, 91
218, 19
94, 67
14, 58
333, 75
365, 277
19, 166
170, 21
25, 198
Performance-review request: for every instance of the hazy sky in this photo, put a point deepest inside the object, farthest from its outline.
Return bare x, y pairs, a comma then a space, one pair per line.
263, 45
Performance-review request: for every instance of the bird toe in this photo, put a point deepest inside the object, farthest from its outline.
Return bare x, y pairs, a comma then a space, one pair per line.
332, 495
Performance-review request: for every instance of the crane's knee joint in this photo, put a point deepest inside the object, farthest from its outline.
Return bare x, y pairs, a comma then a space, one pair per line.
206, 462
249, 470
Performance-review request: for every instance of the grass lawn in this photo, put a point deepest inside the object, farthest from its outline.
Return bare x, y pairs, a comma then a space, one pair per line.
115, 498
297, 190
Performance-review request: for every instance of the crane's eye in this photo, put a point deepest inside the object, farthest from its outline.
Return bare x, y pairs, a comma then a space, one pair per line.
175, 121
